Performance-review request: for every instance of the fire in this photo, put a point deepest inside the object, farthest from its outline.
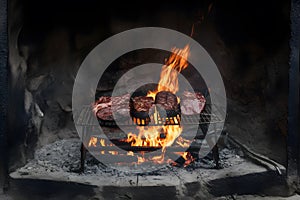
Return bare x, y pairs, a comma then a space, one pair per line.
169, 74
113, 152
159, 159
183, 142
102, 142
159, 136
186, 156
154, 136
140, 159
151, 136
130, 153
163, 136
93, 142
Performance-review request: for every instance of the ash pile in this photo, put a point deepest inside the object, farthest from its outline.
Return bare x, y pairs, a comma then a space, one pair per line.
63, 157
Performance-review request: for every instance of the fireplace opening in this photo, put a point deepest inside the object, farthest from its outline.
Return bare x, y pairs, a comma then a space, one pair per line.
153, 145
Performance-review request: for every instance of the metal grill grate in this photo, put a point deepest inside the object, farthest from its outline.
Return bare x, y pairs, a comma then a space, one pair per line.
84, 118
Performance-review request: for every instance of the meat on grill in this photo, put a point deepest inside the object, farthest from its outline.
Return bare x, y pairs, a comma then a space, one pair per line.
167, 100
142, 103
105, 114
192, 103
106, 106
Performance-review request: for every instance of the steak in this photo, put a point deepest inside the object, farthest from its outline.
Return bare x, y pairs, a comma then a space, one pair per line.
142, 103
106, 106
167, 100
105, 114
192, 103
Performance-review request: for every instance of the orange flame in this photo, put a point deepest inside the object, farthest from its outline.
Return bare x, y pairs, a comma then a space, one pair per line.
155, 136
93, 142
130, 153
102, 142
174, 65
113, 152
186, 156
169, 73
158, 136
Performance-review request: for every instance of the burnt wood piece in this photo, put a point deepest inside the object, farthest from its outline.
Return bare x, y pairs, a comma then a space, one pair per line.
293, 138
3, 92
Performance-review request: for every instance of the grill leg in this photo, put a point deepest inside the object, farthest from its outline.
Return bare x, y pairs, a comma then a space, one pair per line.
216, 157
82, 157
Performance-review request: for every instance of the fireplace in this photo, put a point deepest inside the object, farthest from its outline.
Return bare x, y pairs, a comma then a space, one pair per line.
94, 153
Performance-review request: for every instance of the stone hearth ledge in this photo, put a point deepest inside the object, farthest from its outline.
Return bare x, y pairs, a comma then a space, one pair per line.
170, 182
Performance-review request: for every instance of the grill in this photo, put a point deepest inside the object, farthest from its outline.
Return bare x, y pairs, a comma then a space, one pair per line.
84, 119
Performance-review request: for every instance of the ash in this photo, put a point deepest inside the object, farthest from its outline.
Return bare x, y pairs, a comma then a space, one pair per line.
63, 156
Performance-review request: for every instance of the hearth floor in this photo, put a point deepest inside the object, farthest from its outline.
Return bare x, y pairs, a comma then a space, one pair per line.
54, 166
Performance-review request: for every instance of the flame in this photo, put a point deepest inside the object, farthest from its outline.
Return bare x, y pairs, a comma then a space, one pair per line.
158, 136
113, 152
130, 153
163, 136
183, 142
186, 156
93, 142
169, 74
174, 65
141, 159
159, 159
154, 136
102, 142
